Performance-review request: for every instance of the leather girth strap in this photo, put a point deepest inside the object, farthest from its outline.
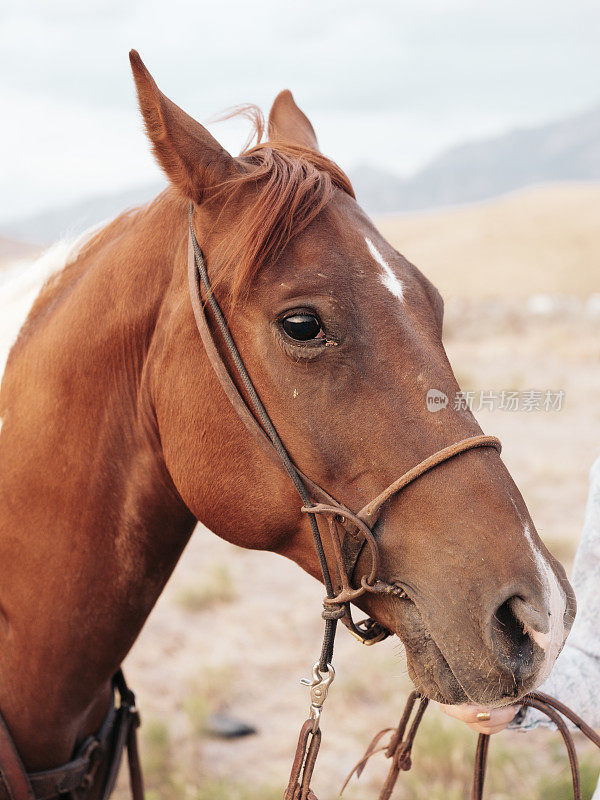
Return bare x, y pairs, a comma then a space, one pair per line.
98, 755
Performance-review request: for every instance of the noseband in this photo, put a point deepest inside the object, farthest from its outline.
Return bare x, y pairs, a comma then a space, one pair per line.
350, 532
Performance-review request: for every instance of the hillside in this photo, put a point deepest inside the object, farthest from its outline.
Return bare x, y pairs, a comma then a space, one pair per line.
12, 250
48, 226
544, 239
540, 240
565, 150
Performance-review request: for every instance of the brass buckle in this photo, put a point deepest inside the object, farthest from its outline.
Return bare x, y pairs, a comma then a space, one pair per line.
362, 634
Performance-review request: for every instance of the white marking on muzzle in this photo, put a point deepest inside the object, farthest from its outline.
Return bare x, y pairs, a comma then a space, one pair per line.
389, 280
556, 600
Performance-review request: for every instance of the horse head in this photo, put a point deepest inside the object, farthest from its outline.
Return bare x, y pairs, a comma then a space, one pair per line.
342, 337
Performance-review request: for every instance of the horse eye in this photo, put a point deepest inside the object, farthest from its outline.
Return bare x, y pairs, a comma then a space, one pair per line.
303, 327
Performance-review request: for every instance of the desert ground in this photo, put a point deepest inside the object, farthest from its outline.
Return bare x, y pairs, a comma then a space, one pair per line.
235, 630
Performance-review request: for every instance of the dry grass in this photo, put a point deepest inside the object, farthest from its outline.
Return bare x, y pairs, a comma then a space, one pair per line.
208, 692
213, 587
542, 239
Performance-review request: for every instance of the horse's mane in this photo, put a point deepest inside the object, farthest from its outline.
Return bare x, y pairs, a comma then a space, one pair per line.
291, 184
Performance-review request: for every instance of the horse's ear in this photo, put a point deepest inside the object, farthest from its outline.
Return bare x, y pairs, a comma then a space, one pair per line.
290, 123
193, 160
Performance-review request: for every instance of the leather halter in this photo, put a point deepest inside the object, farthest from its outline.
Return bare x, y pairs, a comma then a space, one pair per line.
357, 527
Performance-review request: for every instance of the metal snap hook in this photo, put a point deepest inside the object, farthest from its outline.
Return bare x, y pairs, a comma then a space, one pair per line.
319, 686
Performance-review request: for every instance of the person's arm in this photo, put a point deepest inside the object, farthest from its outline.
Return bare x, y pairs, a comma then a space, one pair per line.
575, 678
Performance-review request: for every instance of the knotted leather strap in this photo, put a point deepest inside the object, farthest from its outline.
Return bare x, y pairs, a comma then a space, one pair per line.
399, 746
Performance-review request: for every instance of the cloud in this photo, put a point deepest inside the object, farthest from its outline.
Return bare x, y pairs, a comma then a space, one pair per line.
387, 82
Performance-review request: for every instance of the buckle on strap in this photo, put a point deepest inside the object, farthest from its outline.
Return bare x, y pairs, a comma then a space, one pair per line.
371, 632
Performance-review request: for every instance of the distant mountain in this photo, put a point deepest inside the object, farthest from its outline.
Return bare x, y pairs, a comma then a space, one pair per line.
46, 227
566, 150
11, 251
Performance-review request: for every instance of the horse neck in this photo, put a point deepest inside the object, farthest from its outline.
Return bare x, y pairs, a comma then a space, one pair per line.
91, 525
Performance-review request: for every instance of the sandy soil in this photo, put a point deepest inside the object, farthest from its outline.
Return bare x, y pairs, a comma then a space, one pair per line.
540, 239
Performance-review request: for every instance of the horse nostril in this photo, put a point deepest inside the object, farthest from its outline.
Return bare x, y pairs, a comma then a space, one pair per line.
512, 624
535, 623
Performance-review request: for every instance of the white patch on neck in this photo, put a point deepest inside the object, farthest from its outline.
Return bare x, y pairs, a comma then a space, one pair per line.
552, 641
389, 280
21, 282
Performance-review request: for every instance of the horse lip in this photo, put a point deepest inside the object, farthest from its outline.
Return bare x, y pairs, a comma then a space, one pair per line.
425, 680
411, 594
428, 676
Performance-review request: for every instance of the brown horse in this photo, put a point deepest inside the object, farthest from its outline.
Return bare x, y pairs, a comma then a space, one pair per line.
117, 437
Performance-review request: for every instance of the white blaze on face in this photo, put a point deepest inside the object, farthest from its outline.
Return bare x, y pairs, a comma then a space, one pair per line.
552, 641
389, 280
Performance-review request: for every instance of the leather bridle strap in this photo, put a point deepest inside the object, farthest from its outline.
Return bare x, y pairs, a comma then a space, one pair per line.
370, 513
233, 393
264, 432
359, 526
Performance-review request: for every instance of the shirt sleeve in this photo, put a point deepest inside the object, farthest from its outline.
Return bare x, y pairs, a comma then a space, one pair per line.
575, 678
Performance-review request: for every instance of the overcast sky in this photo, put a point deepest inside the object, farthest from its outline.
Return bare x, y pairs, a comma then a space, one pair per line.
386, 82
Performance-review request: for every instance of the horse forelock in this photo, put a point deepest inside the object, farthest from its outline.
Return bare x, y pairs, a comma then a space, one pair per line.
287, 185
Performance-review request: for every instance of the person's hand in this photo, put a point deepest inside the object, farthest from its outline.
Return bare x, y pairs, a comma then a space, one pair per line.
497, 720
